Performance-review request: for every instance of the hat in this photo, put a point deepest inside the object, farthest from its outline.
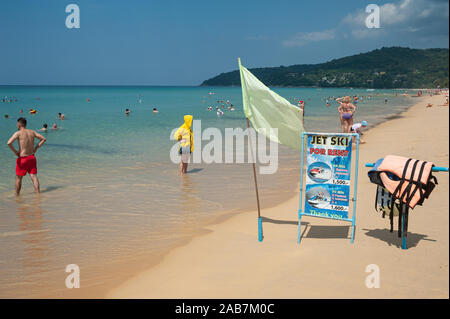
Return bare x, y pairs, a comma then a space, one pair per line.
364, 123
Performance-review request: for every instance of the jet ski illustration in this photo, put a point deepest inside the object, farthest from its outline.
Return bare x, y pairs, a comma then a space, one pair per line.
319, 172
318, 197
316, 171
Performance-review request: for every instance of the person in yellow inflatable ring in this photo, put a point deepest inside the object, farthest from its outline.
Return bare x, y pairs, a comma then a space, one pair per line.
185, 137
32, 111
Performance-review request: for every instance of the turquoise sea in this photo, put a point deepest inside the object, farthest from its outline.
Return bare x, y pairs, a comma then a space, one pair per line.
109, 189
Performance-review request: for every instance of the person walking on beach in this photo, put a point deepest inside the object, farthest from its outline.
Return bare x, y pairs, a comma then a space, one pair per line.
301, 104
185, 137
346, 110
26, 161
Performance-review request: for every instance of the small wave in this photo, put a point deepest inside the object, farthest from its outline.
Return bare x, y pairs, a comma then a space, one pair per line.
23, 232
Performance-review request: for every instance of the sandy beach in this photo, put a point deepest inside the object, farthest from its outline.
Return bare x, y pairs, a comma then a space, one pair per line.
173, 151
227, 261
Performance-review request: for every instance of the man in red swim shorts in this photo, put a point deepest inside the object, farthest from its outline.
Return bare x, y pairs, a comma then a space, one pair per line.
26, 161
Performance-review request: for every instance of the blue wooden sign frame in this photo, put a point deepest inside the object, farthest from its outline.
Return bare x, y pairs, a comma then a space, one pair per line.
301, 211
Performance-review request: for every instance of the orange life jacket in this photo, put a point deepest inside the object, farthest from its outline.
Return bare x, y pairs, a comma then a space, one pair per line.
414, 177
408, 181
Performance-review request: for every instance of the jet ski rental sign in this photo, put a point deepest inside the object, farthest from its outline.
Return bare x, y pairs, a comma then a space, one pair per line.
328, 172
328, 177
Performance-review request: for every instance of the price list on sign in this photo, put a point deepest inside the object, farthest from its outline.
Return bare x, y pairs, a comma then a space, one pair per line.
328, 177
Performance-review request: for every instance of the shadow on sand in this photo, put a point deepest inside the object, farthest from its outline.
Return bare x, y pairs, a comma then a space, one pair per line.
284, 222
311, 231
195, 170
51, 188
412, 239
277, 221
325, 232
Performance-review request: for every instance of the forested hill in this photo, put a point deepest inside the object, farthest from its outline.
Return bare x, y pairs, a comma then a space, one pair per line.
393, 67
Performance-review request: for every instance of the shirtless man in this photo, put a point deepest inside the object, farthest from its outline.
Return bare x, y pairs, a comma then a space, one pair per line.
26, 161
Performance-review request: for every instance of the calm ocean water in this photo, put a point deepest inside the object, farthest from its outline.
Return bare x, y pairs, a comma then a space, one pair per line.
108, 186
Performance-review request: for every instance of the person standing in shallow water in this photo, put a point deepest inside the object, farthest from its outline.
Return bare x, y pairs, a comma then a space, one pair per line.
26, 160
185, 137
346, 110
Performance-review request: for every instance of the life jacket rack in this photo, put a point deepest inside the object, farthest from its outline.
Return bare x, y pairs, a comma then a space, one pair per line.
398, 192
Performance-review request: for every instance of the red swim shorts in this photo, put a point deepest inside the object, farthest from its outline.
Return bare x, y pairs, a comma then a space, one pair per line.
26, 164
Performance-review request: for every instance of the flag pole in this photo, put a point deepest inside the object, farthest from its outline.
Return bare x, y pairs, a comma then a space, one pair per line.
260, 234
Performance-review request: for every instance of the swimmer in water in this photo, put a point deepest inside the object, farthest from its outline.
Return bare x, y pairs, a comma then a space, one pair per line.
155, 110
44, 128
127, 112
54, 126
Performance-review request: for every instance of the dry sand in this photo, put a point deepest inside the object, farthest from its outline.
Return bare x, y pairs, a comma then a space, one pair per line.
229, 262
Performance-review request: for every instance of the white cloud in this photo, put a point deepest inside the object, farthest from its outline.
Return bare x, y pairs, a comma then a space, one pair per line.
404, 15
412, 20
303, 38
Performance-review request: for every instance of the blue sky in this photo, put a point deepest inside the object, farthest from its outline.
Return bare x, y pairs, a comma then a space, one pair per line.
156, 42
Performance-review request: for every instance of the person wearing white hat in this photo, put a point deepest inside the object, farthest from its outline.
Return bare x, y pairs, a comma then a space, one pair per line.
357, 128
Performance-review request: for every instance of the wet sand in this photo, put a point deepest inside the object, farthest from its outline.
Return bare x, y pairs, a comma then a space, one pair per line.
227, 261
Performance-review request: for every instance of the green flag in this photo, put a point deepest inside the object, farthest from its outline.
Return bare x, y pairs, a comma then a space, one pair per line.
265, 109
